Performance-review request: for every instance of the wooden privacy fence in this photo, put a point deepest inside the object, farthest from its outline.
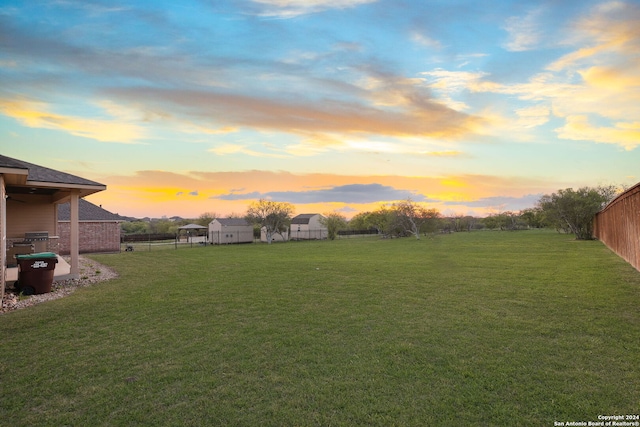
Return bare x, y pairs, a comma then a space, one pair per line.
618, 226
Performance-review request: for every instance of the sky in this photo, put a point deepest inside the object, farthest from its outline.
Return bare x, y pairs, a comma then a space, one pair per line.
189, 107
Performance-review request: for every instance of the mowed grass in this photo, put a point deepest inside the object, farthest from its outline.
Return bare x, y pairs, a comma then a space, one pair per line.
485, 328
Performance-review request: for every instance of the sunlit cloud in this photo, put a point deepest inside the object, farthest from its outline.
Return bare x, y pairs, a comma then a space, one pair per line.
448, 153
609, 91
420, 116
626, 135
393, 91
611, 27
610, 33
313, 143
293, 8
564, 98
450, 84
8, 64
378, 99
530, 117
573, 57
232, 192
227, 149
353, 193
195, 128
452, 81
524, 32
612, 79
35, 115
424, 40
373, 146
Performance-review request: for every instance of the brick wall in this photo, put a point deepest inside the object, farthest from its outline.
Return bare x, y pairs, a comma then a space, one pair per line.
94, 237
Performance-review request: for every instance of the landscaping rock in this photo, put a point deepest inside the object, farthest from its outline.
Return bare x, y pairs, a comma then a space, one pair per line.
91, 272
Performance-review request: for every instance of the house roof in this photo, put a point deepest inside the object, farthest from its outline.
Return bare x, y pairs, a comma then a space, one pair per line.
87, 211
302, 218
8, 162
25, 177
232, 222
41, 174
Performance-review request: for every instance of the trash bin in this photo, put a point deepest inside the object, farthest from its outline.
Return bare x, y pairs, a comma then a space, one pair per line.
35, 272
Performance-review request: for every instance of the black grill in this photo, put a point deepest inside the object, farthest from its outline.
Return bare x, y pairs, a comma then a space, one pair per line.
37, 236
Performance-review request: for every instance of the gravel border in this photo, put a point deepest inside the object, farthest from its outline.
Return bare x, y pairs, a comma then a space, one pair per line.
91, 272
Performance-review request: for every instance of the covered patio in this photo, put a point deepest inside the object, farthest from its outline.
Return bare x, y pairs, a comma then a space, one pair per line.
29, 195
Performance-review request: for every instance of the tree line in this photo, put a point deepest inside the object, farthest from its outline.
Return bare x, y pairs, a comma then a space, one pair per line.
567, 210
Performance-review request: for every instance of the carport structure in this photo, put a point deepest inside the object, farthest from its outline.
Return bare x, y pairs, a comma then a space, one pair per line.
192, 231
29, 195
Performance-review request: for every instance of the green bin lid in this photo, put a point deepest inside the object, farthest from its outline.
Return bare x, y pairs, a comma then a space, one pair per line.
37, 256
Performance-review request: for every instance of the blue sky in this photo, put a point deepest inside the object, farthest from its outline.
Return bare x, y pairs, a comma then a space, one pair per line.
182, 108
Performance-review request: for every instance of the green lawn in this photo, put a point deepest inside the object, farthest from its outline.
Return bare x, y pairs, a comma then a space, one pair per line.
484, 328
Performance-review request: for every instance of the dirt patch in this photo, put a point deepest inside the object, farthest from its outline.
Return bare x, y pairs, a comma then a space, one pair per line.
91, 272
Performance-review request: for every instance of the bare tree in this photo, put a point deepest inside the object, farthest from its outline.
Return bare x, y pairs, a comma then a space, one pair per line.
410, 217
205, 218
274, 217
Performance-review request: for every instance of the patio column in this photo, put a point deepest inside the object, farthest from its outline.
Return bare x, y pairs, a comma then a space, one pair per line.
74, 247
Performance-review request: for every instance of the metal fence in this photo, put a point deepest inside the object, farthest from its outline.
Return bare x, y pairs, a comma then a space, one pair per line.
319, 234
146, 237
618, 226
154, 245
158, 241
230, 237
350, 234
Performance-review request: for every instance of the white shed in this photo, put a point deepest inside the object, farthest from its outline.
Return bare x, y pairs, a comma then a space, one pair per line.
277, 237
308, 227
224, 231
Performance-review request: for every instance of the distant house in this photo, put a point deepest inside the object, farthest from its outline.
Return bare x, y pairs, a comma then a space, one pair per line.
308, 227
224, 231
99, 229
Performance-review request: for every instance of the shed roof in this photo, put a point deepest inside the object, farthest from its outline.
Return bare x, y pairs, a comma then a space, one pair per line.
191, 227
302, 218
87, 211
233, 222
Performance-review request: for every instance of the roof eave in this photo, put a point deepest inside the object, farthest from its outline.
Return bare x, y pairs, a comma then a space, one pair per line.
15, 176
84, 189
